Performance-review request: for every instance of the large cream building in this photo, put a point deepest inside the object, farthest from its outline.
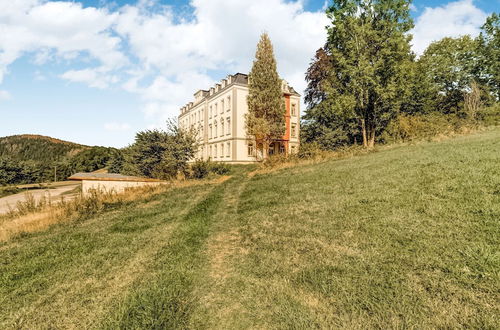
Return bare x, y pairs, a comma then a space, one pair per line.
218, 116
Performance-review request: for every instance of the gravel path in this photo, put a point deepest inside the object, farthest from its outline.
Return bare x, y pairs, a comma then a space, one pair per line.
53, 194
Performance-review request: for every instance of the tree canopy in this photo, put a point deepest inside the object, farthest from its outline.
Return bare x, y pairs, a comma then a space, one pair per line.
366, 76
369, 53
160, 154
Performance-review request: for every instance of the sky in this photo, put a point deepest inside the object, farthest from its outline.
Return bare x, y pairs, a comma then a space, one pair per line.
95, 72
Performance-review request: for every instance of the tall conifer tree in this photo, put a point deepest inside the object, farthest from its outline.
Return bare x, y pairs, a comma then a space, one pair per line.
265, 120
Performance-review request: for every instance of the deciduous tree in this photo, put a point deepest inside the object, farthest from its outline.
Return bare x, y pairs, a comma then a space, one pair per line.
326, 120
451, 64
489, 49
370, 55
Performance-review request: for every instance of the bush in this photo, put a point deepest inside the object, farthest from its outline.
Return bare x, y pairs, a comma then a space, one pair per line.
275, 160
160, 154
200, 169
490, 116
219, 168
405, 128
309, 150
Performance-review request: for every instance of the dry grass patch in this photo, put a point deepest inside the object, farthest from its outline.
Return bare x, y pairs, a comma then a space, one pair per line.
31, 222
33, 216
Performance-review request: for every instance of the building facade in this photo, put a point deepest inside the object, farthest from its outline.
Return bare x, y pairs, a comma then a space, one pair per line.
218, 117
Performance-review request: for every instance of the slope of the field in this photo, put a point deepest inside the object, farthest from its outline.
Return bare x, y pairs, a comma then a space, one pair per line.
407, 237
37, 148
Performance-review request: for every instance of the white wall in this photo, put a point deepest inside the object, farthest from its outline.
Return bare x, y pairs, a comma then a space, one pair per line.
113, 186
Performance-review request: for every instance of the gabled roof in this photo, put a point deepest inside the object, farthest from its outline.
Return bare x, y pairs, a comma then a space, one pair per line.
109, 177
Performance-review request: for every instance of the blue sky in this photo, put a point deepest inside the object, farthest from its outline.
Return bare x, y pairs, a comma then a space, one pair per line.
95, 72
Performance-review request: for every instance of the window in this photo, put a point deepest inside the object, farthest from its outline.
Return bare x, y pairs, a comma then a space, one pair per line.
293, 149
251, 149
222, 106
228, 120
228, 151
215, 113
294, 110
210, 112
215, 151
271, 149
294, 130
215, 130
282, 148
222, 127
221, 150
210, 133
228, 103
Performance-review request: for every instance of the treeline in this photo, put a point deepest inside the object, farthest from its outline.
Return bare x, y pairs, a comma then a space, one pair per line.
14, 171
366, 85
161, 154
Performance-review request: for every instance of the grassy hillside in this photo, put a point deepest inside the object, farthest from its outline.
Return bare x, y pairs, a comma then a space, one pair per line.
37, 148
406, 237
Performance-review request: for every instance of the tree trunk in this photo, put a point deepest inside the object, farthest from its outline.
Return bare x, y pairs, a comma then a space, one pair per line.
371, 136
363, 131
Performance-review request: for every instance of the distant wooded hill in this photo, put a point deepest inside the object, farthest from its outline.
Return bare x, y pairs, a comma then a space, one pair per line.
38, 148
35, 158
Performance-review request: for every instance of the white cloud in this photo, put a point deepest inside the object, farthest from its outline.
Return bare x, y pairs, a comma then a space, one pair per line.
168, 56
164, 57
93, 77
114, 126
4, 95
57, 29
451, 20
221, 37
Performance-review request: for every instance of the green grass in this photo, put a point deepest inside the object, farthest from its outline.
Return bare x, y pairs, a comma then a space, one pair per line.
407, 237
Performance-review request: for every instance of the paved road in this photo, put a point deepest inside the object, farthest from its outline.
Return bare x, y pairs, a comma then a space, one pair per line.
53, 194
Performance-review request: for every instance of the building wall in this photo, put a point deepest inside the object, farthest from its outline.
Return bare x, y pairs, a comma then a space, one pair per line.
113, 186
230, 104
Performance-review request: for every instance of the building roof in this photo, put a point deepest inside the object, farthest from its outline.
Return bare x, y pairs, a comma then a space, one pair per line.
236, 79
109, 177
242, 79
